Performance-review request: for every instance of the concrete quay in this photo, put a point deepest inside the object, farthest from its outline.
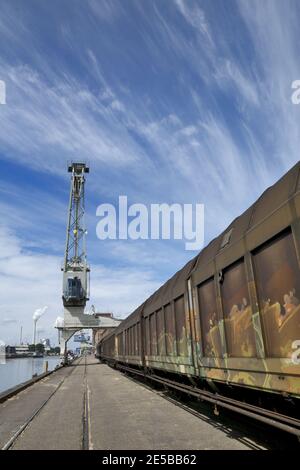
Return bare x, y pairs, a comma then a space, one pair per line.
88, 405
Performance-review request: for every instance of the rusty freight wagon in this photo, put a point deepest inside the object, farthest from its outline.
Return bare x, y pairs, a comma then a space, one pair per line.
232, 315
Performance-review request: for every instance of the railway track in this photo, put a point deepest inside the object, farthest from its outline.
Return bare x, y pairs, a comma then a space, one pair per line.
85, 413
85, 421
284, 423
273, 419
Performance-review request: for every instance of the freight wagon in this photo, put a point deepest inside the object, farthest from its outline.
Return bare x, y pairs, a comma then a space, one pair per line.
232, 314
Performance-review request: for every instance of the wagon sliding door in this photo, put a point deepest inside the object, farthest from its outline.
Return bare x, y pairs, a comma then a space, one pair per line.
277, 279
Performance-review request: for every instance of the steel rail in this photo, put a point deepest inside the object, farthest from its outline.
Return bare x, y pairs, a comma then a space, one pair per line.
85, 412
247, 406
274, 419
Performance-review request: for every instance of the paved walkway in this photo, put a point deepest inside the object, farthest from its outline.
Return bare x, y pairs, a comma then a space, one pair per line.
122, 414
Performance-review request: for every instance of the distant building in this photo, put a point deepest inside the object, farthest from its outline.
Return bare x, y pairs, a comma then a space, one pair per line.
22, 349
81, 338
84, 347
10, 350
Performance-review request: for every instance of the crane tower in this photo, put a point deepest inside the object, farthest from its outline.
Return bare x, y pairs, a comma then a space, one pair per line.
76, 272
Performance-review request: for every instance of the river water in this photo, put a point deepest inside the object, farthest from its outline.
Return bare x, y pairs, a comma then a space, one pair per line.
16, 371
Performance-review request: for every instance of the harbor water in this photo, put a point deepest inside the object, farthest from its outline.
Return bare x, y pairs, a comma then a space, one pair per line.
16, 371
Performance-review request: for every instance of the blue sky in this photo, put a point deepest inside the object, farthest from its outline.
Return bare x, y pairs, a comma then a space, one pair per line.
168, 101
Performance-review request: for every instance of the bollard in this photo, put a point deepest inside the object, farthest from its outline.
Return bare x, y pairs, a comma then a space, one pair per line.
45, 366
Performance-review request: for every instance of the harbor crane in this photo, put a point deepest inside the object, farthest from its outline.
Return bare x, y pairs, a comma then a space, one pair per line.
76, 271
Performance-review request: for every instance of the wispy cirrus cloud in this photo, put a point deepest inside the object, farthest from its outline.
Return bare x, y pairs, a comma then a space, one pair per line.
180, 101
273, 29
66, 118
195, 16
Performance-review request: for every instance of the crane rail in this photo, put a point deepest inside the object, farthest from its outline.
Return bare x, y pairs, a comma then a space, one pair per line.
277, 420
